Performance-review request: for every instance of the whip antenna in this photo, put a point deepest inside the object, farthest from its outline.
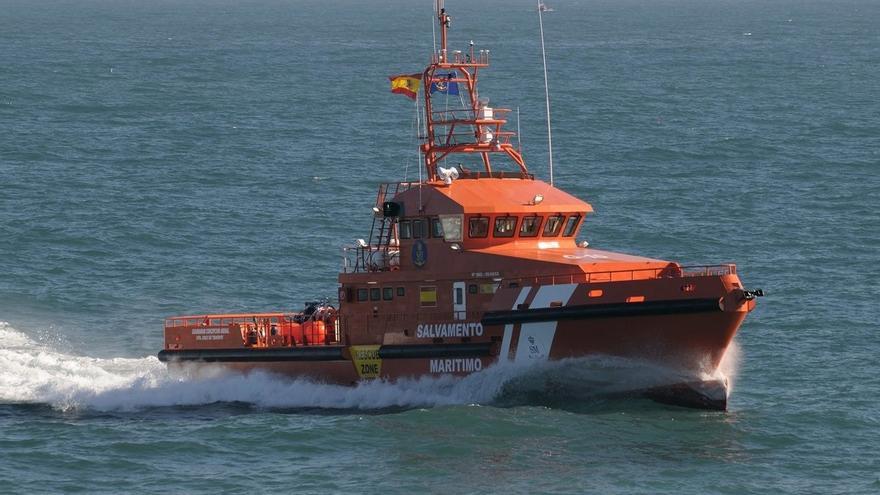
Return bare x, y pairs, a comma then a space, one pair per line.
546, 90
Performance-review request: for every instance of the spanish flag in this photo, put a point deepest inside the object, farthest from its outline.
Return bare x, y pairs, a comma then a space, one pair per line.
406, 84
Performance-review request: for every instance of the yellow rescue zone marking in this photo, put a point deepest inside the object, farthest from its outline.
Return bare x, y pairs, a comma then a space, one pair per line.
366, 360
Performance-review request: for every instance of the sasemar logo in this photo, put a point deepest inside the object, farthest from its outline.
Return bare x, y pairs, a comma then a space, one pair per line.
419, 253
534, 350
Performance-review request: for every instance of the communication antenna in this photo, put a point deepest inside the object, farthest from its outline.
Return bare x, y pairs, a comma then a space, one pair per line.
518, 133
546, 91
433, 37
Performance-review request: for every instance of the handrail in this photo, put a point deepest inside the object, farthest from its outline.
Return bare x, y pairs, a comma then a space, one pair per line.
670, 271
369, 258
207, 320
468, 110
260, 329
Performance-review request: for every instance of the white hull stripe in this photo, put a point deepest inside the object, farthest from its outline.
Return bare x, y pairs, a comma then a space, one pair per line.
505, 343
535, 341
552, 293
521, 298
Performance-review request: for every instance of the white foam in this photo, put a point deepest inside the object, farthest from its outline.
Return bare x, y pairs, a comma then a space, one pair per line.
33, 372
728, 368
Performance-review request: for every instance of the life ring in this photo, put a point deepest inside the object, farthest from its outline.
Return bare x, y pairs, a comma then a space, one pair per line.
394, 268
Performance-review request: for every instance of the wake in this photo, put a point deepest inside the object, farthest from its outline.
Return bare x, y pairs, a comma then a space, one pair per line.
36, 373
31, 372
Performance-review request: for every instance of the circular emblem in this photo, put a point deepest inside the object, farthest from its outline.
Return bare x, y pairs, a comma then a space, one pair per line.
419, 253
440, 85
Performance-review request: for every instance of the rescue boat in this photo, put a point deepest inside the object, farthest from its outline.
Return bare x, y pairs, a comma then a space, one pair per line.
477, 265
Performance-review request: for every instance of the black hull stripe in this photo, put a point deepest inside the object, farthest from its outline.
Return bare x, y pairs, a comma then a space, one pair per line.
647, 308
417, 351
329, 353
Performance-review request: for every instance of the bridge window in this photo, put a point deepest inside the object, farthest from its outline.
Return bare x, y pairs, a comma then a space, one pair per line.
505, 226
405, 229
571, 225
436, 228
418, 229
375, 294
401, 291
553, 225
478, 227
530, 226
362, 294
387, 293
451, 225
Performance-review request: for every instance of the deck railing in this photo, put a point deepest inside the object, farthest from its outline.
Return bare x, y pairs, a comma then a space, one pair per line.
224, 320
671, 271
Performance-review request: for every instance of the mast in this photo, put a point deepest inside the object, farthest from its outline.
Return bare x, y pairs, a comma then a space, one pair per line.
475, 128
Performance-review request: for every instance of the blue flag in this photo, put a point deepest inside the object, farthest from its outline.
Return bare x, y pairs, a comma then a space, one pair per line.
445, 84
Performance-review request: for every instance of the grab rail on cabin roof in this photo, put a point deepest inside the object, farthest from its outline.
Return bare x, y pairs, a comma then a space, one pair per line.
395, 187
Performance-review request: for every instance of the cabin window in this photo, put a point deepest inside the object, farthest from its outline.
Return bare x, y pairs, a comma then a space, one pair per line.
436, 228
489, 288
418, 229
375, 294
551, 228
362, 294
451, 225
387, 293
405, 229
459, 295
571, 225
478, 227
505, 226
401, 292
473, 289
530, 226
428, 296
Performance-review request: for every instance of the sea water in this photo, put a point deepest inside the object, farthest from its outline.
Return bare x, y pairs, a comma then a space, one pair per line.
187, 156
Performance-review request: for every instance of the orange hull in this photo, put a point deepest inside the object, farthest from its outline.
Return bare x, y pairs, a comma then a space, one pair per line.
688, 335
